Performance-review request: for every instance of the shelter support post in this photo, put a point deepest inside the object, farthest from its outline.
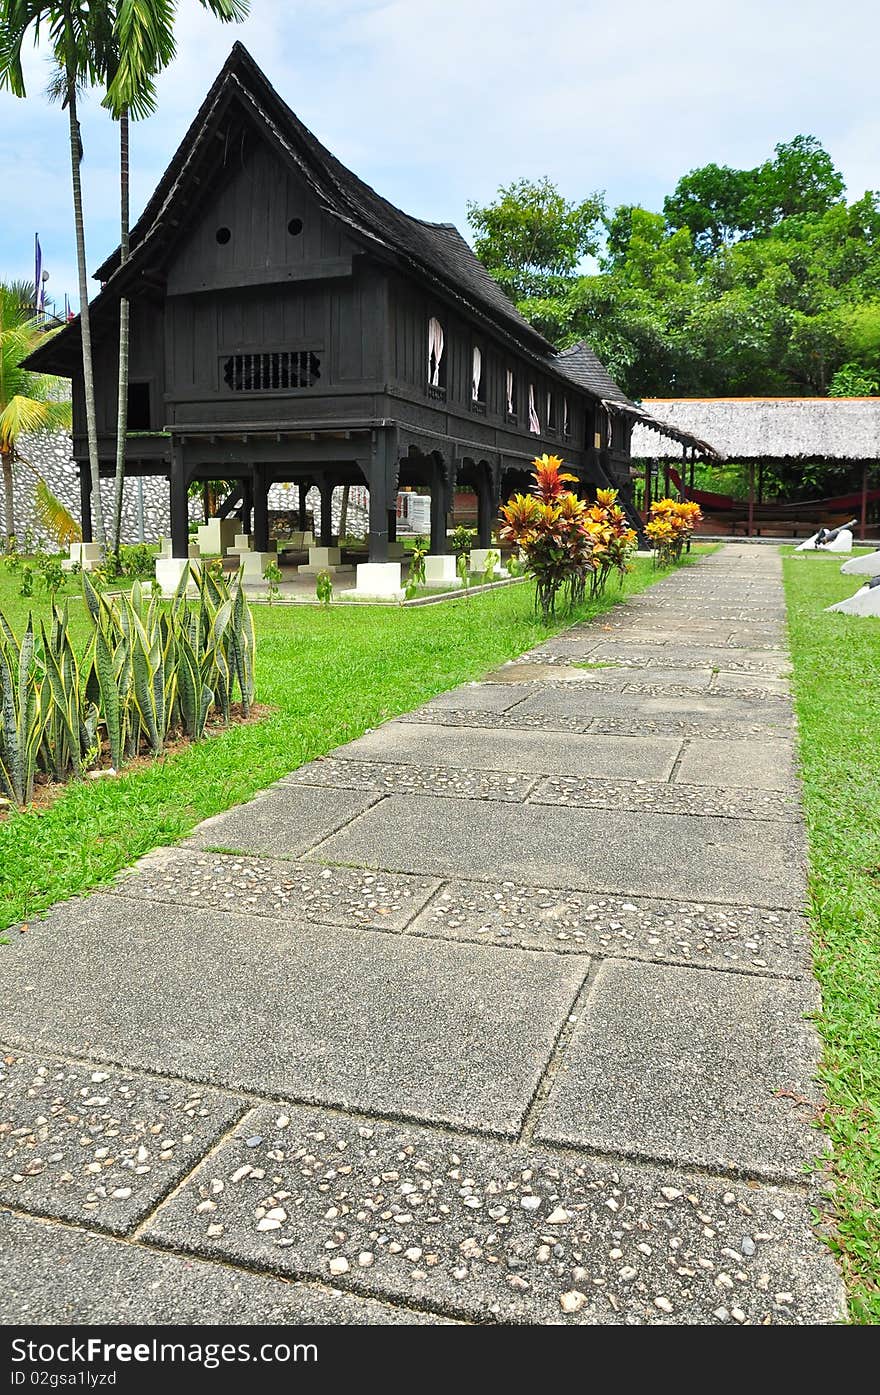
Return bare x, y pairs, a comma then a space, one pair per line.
380, 514
392, 522
85, 503
261, 510
691, 471
247, 505
751, 498
302, 521
178, 484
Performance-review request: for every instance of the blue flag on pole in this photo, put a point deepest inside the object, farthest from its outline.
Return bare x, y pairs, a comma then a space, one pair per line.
39, 291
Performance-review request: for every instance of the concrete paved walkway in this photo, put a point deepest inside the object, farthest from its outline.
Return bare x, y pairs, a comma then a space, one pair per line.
497, 1013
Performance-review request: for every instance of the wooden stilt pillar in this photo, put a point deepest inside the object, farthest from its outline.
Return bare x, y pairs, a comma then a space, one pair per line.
326, 492
439, 509
303, 516
751, 498
392, 523
247, 505
863, 517
179, 507
85, 502
484, 512
380, 514
261, 510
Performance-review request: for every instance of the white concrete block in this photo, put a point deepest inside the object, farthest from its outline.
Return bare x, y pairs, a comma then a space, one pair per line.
255, 563
440, 570
83, 552
380, 580
864, 602
165, 547
867, 565
242, 543
216, 536
478, 561
169, 570
324, 557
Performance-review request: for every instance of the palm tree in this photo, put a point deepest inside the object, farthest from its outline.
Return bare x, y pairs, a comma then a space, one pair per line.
142, 46
70, 25
29, 402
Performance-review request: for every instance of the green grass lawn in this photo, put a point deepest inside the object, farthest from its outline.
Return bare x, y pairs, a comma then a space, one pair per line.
328, 674
837, 694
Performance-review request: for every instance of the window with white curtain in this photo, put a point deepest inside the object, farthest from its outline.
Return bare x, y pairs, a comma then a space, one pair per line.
477, 390
566, 419
534, 422
551, 410
436, 365
511, 393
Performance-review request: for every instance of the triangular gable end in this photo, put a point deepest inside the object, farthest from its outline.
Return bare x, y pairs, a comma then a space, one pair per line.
258, 224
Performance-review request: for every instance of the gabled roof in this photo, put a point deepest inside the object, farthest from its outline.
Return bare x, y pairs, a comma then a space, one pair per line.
437, 250
582, 365
771, 428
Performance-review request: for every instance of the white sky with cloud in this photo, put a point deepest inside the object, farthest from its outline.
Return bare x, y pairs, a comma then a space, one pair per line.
438, 101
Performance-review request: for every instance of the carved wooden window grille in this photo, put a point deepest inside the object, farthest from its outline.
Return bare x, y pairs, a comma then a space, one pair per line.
272, 372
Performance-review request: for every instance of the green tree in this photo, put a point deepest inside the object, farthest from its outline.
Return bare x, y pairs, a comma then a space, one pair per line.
72, 30
532, 239
29, 402
139, 47
716, 204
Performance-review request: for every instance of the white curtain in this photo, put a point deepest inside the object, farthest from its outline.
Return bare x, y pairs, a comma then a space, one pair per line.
510, 403
477, 373
550, 421
565, 420
610, 428
534, 423
435, 350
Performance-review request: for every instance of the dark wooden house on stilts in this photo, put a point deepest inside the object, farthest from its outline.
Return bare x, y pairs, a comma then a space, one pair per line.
290, 325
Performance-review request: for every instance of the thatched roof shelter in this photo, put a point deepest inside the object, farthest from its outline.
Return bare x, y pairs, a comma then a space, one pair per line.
744, 429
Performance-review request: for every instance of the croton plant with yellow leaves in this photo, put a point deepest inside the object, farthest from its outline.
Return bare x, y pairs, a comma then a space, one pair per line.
670, 523
564, 540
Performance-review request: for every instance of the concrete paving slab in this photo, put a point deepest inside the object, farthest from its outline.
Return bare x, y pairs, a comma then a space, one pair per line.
386, 777
698, 706
502, 1233
279, 890
482, 697
346, 1017
281, 822
526, 752
716, 859
713, 1070
653, 796
99, 1145
749, 939
653, 656
56, 1276
754, 764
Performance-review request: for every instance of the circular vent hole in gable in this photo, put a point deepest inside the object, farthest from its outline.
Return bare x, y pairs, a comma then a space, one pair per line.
223, 236
295, 227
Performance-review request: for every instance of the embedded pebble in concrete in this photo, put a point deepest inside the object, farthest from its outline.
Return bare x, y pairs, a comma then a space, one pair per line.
680, 726
493, 1232
666, 798
745, 938
94, 1144
420, 779
260, 886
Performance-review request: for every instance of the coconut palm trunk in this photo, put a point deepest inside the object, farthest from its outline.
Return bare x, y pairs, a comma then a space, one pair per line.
85, 322
8, 493
122, 407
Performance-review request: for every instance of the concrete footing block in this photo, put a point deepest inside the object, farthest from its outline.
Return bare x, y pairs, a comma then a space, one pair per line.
440, 570
255, 563
379, 581
216, 536
169, 570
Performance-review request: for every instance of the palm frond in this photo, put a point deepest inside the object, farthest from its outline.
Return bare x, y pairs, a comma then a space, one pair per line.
52, 515
22, 415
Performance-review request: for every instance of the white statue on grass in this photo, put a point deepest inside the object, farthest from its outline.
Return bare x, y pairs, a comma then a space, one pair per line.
865, 601
830, 539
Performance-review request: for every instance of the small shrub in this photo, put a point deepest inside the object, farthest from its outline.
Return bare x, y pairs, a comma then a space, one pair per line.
324, 587
550, 528
27, 580
492, 561
272, 575
670, 524
416, 575
51, 576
